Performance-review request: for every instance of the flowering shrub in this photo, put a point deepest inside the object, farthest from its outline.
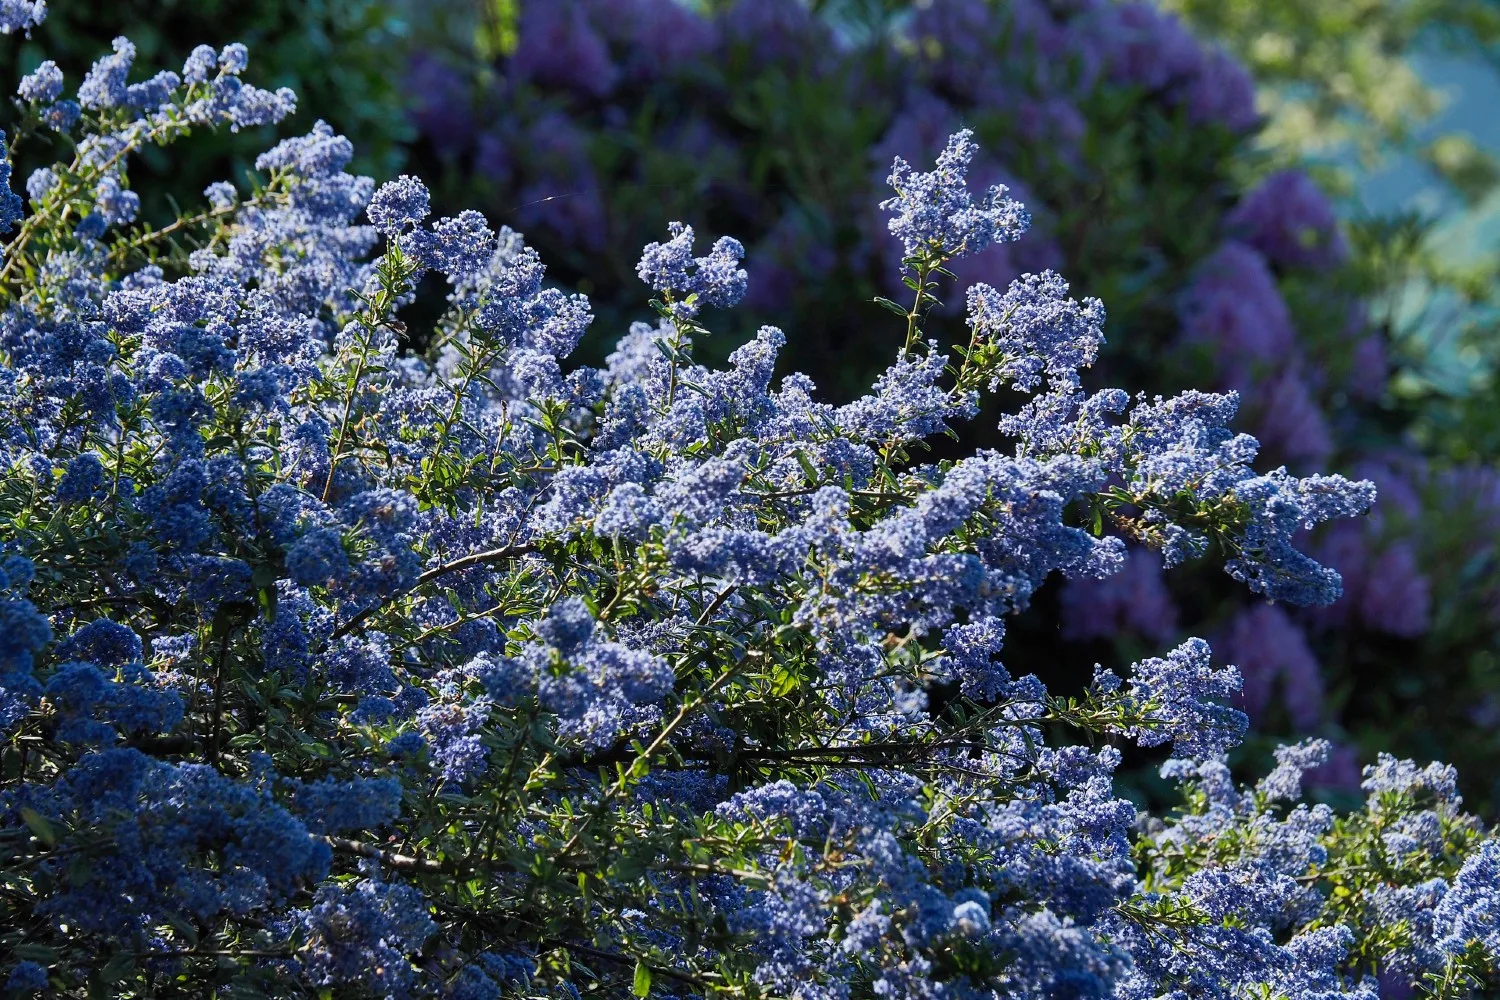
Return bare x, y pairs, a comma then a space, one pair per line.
329, 667
1133, 146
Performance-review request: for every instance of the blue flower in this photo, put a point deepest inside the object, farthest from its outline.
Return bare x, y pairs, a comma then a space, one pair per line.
1184, 699
84, 480
398, 205
318, 558
44, 84
715, 280
936, 211
26, 978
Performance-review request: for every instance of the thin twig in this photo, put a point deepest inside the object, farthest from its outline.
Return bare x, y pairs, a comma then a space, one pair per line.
476, 559
390, 859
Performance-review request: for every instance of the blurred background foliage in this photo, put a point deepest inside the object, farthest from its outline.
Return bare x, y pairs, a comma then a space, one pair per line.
1398, 96
1273, 196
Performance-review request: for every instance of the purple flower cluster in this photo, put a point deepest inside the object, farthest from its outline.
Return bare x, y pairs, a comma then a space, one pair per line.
1290, 220
1148, 48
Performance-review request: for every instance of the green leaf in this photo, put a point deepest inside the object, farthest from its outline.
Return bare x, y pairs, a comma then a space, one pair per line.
184, 928
263, 576
117, 968
39, 825
642, 979
890, 306
808, 469
266, 597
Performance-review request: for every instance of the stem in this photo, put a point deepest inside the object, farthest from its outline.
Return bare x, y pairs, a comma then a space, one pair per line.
478, 558
912, 330
335, 454
213, 735
390, 859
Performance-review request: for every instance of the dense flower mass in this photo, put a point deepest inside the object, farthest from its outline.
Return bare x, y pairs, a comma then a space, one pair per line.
334, 666
1134, 147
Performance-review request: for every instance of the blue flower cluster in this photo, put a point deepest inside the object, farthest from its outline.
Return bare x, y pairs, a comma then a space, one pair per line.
331, 666
21, 15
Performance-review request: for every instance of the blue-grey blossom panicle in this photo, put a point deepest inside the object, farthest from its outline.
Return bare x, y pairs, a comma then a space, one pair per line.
242, 105
83, 481
627, 512
26, 977
11, 207
364, 932
935, 211
1390, 775
715, 280
567, 625
515, 308
93, 708
399, 205
460, 246
21, 15
200, 65
43, 180
1185, 702
221, 195
451, 729
719, 279
665, 266
1284, 782
43, 84
104, 642
1037, 330
24, 632
608, 689
234, 58
16, 574
114, 204
318, 558
907, 403
1279, 508
973, 648
105, 85
90, 228
332, 806
61, 116
1469, 913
